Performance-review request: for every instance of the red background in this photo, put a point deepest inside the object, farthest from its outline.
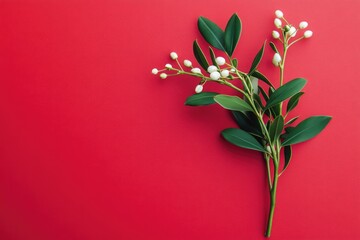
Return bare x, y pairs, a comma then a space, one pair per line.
92, 146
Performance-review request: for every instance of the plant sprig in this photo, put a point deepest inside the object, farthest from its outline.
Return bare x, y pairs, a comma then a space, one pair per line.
262, 121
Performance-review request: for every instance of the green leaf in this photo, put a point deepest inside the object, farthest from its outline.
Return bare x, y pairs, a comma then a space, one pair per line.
200, 99
289, 129
266, 98
285, 91
232, 33
199, 55
275, 110
263, 93
271, 91
306, 130
287, 155
234, 62
258, 101
257, 60
242, 139
293, 102
291, 121
246, 124
233, 103
261, 77
276, 128
213, 57
212, 33
273, 47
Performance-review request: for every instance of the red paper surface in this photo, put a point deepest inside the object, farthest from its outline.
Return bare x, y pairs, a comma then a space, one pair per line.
92, 146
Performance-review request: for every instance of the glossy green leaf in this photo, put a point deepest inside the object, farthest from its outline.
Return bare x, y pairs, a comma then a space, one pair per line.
285, 91
213, 57
263, 93
293, 102
276, 128
275, 110
257, 60
246, 124
212, 33
200, 99
271, 91
291, 121
261, 77
234, 62
233, 103
273, 47
289, 129
306, 130
232, 34
258, 101
287, 157
266, 98
242, 139
199, 55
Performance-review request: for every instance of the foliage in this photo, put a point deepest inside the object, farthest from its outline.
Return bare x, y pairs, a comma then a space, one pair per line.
257, 108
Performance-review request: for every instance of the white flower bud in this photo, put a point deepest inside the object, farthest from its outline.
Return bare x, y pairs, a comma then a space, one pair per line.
199, 88
196, 70
187, 63
173, 55
279, 14
215, 75
276, 59
268, 148
220, 61
212, 68
154, 71
163, 75
308, 34
275, 34
277, 23
303, 25
225, 73
291, 32
168, 66
232, 70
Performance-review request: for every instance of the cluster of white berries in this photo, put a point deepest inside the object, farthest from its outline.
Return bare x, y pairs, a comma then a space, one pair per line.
215, 73
288, 31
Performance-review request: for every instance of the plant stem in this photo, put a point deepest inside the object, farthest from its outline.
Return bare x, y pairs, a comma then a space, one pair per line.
272, 201
267, 159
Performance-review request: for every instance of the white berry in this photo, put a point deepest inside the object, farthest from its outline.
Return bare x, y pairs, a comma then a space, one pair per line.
292, 32
163, 75
154, 71
173, 55
276, 59
211, 69
303, 25
275, 34
215, 75
168, 66
308, 34
187, 63
220, 61
196, 70
225, 73
277, 23
279, 14
199, 88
